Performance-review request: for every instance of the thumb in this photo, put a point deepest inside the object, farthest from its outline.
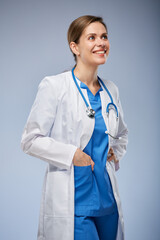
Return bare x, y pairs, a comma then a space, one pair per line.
92, 165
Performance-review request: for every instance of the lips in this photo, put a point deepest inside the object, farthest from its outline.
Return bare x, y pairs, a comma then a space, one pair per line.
100, 51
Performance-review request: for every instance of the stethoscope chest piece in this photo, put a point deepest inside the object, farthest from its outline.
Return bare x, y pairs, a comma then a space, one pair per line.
90, 112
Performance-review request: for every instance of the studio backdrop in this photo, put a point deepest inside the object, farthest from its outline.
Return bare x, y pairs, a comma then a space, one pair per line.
33, 44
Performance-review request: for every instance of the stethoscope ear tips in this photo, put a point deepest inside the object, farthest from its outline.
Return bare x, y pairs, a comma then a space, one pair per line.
90, 112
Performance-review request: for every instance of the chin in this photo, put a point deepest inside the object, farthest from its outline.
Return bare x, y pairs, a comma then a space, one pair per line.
101, 62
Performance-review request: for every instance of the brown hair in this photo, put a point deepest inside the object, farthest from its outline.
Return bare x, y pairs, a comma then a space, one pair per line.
77, 27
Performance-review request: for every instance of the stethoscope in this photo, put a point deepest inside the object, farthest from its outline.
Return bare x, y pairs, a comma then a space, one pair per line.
110, 107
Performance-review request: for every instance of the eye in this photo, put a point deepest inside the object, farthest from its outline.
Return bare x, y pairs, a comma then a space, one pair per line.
105, 36
91, 37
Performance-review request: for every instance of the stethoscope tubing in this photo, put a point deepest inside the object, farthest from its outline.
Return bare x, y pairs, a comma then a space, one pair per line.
102, 83
74, 78
90, 111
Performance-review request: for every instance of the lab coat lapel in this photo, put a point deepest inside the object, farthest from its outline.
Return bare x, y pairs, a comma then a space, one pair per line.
87, 122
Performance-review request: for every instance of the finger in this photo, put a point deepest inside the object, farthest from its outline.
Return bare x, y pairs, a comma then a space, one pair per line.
110, 155
116, 161
92, 165
111, 150
110, 158
87, 162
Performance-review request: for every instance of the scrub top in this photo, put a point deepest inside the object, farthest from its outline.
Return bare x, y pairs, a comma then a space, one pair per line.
93, 190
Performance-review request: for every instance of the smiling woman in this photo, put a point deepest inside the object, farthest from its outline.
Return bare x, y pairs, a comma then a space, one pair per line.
93, 45
80, 197
90, 30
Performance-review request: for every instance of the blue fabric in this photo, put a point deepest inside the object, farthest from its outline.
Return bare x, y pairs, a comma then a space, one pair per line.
93, 190
96, 228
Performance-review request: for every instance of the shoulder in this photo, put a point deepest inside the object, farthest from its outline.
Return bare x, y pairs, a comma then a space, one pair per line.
56, 85
56, 80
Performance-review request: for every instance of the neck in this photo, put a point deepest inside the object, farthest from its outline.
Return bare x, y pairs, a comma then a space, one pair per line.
87, 74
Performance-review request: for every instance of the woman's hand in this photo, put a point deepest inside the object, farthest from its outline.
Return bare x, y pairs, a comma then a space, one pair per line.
111, 156
82, 159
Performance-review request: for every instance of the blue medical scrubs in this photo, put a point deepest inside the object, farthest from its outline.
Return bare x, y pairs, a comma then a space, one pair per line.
94, 197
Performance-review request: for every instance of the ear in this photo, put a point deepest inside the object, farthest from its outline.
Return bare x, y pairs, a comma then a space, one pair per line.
74, 48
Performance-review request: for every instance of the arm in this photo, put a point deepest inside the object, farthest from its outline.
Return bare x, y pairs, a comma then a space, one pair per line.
36, 140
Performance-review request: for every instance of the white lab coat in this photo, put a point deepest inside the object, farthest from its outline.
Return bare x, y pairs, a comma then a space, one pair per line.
57, 125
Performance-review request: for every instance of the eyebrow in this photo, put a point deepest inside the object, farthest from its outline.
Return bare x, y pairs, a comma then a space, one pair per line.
96, 34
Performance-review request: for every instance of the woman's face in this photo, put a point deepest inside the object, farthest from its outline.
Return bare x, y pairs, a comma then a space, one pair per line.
93, 46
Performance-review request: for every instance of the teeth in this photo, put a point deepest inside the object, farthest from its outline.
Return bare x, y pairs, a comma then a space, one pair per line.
101, 52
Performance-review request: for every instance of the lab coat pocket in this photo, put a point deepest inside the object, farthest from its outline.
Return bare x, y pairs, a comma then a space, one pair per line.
58, 228
57, 193
83, 179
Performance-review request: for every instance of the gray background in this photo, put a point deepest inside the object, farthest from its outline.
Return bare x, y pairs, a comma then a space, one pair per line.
33, 45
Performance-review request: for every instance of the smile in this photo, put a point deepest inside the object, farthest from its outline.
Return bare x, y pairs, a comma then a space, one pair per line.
100, 52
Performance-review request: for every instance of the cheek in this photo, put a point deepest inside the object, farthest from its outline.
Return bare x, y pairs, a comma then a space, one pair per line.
86, 50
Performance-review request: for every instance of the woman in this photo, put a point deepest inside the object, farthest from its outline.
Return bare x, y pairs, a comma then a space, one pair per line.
83, 148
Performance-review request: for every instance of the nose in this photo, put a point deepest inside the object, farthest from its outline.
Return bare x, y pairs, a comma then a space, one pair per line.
100, 42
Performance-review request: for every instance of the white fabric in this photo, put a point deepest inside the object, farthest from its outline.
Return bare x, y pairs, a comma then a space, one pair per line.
57, 125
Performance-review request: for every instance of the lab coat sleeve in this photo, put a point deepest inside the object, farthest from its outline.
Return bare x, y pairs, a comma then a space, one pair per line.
119, 145
36, 140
